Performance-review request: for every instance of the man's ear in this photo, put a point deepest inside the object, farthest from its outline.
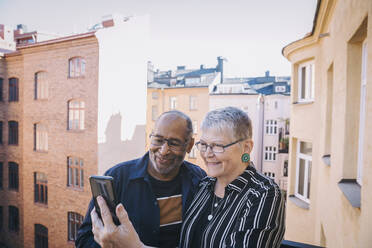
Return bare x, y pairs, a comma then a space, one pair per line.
190, 145
248, 145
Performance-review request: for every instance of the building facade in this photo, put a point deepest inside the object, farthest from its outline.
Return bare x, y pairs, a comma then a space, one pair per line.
52, 114
329, 186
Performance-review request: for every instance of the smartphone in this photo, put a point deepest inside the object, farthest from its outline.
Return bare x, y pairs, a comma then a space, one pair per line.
103, 186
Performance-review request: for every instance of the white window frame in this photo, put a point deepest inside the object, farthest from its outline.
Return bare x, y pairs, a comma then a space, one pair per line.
172, 102
41, 85
307, 158
270, 153
362, 114
41, 137
76, 115
309, 84
193, 105
192, 153
271, 127
195, 127
154, 112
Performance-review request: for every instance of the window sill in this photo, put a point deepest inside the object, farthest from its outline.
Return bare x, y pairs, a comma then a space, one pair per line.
40, 151
298, 202
351, 190
76, 77
327, 159
39, 204
303, 102
76, 130
76, 188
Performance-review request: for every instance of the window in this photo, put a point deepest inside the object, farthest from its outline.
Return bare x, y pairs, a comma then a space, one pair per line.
41, 236
41, 85
1, 132
193, 103
285, 168
172, 102
362, 114
41, 187
40, 137
276, 104
13, 90
1, 218
270, 174
76, 110
13, 222
195, 127
1, 175
270, 153
192, 153
13, 175
306, 82
154, 112
303, 170
76, 67
271, 127
74, 222
75, 172
280, 88
155, 95
13, 133
1, 89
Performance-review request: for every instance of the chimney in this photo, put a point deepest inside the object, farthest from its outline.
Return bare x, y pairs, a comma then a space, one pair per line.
267, 73
22, 28
219, 67
201, 67
181, 68
107, 21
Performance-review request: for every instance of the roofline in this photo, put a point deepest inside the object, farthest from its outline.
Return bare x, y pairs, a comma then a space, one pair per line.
58, 40
315, 21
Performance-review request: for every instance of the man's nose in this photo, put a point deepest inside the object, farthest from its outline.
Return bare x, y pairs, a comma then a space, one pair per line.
164, 149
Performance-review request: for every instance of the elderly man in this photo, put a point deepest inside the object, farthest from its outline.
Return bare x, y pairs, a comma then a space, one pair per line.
157, 189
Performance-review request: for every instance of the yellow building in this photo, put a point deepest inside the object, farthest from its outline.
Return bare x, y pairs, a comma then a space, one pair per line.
330, 188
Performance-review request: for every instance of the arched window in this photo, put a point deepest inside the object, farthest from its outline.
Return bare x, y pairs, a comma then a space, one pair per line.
13, 219
41, 85
41, 187
76, 67
40, 137
74, 222
13, 90
13, 133
76, 110
13, 178
41, 236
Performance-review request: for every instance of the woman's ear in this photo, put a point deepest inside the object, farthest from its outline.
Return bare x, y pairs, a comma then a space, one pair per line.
248, 145
190, 145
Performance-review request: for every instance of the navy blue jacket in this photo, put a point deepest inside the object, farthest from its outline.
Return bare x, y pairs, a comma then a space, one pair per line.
133, 190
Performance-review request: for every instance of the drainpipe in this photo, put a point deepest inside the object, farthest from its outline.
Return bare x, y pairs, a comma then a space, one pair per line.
261, 129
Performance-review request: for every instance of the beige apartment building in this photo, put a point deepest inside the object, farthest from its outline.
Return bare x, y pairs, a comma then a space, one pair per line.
58, 116
330, 199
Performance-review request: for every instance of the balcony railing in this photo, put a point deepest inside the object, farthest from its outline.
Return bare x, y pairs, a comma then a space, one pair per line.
292, 244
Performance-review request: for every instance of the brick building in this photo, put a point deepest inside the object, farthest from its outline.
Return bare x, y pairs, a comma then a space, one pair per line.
52, 114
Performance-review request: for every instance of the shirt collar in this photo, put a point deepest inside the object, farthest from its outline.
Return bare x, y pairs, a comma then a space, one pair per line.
237, 184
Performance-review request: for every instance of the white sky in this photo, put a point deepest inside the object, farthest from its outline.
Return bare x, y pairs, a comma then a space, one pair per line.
250, 34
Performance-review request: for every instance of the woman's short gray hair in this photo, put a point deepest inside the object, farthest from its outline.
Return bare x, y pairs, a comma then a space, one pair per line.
231, 118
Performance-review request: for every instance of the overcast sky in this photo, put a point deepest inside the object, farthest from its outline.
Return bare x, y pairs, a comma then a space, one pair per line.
250, 34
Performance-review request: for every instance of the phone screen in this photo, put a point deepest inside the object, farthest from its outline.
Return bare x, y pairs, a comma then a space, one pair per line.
103, 185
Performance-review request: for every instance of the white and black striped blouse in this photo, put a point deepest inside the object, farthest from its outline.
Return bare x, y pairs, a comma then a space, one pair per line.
251, 214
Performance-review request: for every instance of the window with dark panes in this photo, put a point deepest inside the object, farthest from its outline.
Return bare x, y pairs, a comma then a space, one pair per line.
13, 90
41, 236
1, 132
74, 222
1, 89
13, 175
41, 187
13, 133
75, 172
1, 175
13, 222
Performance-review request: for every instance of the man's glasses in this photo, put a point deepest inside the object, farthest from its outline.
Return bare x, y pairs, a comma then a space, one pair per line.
174, 145
215, 148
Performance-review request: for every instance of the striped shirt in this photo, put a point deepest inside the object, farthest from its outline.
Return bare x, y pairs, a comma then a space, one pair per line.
251, 214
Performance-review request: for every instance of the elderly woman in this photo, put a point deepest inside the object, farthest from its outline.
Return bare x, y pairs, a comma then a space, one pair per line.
235, 205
